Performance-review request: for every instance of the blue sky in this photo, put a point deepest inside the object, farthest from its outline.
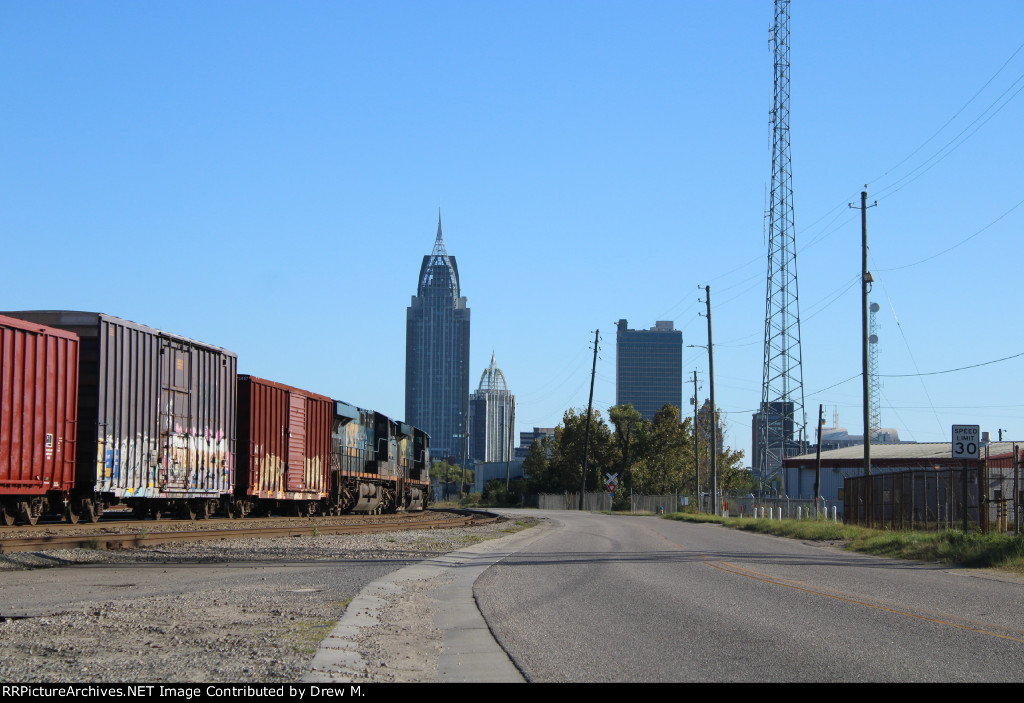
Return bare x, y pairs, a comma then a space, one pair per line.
266, 176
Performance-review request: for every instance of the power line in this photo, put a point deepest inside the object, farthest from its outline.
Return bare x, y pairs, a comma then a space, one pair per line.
955, 115
958, 244
960, 368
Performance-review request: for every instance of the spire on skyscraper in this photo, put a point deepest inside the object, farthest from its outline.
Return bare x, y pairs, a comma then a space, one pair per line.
439, 269
493, 378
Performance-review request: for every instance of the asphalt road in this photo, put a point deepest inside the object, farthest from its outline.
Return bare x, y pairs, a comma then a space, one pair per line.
610, 598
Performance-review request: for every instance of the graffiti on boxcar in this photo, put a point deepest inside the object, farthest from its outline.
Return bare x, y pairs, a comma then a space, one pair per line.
313, 475
269, 471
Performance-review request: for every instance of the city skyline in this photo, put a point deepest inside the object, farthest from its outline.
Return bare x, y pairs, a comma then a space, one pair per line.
261, 180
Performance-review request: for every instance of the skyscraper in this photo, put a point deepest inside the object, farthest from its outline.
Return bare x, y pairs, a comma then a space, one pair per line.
437, 354
649, 367
492, 413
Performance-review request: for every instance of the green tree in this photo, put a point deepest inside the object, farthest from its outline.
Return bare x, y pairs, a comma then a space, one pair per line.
667, 463
555, 464
629, 439
496, 492
537, 467
732, 476
451, 474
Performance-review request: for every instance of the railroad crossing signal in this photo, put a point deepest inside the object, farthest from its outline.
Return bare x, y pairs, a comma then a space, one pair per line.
613, 481
966, 441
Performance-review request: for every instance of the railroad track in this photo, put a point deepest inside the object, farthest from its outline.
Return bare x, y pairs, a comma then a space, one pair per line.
141, 534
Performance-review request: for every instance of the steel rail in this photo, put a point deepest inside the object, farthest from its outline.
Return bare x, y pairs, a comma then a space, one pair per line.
144, 538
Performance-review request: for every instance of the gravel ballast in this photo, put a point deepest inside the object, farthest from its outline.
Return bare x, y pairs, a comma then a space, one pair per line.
245, 610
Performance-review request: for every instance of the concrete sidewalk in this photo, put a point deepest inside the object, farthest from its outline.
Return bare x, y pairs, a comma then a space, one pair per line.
459, 646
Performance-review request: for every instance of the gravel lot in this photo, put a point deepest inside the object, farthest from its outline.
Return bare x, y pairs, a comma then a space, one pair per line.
247, 610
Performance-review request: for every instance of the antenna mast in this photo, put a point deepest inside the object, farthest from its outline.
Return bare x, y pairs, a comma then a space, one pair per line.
874, 385
782, 418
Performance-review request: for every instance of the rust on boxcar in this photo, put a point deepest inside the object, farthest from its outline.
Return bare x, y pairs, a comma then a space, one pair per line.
38, 408
284, 444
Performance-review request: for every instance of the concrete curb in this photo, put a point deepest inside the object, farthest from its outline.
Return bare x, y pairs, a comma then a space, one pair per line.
469, 653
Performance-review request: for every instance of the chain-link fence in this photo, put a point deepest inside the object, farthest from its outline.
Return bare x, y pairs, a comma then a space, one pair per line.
732, 506
571, 501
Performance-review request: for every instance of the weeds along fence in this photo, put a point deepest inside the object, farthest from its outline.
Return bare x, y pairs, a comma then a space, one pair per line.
777, 508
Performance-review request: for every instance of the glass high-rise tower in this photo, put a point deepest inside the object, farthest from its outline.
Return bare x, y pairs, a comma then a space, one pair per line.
649, 367
437, 355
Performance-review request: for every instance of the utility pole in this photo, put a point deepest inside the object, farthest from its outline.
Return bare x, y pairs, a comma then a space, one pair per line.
696, 448
714, 415
817, 462
865, 287
465, 453
508, 454
590, 406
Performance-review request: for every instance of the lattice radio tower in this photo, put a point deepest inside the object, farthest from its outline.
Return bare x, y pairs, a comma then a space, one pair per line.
874, 382
783, 420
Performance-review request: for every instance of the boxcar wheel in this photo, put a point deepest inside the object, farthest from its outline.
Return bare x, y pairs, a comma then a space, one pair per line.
7, 515
89, 510
188, 510
70, 514
27, 514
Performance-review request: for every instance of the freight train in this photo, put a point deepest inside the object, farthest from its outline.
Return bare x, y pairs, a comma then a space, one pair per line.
97, 411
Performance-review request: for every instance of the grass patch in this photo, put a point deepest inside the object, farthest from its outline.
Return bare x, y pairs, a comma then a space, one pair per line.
972, 549
306, 635
520, 524
644, 513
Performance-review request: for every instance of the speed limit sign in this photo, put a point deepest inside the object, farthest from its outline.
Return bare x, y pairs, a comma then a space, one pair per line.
966, 441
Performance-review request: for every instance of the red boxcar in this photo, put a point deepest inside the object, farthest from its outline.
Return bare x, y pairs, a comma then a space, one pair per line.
38, 412
284, 445
156, 417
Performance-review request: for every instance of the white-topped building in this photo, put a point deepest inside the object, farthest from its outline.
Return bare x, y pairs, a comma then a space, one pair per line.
492, 417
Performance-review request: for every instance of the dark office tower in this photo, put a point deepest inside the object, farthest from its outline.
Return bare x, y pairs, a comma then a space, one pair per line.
437, 355
649, 367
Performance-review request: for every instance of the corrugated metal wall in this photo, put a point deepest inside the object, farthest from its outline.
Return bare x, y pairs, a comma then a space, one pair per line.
156, 411
38, 407
285, 444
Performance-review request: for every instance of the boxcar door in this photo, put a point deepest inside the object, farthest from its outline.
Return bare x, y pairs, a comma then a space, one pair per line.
175, 413
296, 442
